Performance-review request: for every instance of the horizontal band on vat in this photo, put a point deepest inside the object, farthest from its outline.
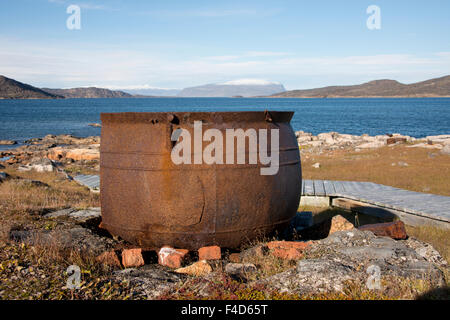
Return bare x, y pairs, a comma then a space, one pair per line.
215, 166
166, 153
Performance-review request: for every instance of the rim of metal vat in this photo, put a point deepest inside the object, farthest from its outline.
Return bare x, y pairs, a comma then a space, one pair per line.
183, 117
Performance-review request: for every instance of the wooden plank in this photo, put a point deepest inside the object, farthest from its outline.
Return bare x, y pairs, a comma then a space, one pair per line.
309, 188
329, 188
90, 181
375, 186
365, 186
319, 189
339, 187
357, 206
352, 187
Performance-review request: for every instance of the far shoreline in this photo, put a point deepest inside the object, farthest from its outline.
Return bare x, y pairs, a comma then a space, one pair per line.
258, 97
20, 143
360, 97
23, 142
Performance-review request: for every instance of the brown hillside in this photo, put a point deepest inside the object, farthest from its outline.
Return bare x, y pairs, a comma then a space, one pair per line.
439, 87
12, 89
91, 92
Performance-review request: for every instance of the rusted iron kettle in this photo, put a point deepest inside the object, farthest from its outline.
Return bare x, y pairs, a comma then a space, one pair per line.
149, 200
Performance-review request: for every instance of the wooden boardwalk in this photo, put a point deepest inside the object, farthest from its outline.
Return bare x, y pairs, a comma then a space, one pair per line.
90, 181
417, 203
420, 204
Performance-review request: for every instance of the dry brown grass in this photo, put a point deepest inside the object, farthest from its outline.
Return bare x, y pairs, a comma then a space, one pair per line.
21, 200
427, 170
86, 168
40, 272
269, 265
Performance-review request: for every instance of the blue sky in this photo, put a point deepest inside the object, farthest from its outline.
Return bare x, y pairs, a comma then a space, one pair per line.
175, 44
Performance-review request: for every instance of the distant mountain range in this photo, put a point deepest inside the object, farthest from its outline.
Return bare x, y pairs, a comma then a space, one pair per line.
91, 92
238, 88
438, 87
158, 92
12, 89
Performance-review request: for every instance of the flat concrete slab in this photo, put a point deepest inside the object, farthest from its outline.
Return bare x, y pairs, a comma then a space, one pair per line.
313, 201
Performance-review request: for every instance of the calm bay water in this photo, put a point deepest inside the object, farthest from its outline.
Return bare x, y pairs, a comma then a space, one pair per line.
24, 119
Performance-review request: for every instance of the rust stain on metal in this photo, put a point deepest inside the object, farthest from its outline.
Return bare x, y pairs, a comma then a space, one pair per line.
148, 200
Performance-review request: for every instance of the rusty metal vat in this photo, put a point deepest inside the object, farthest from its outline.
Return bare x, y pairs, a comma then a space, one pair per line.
148, 200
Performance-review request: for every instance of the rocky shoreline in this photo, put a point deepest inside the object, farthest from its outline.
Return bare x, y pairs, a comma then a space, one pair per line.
334, 141
49, 152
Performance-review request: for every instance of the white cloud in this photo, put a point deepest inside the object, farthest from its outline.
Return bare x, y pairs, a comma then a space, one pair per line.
443, 54
68, 65
222, 58
249, 54
266, 54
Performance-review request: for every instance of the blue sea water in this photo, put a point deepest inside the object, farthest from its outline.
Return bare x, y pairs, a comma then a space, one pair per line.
417, 117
